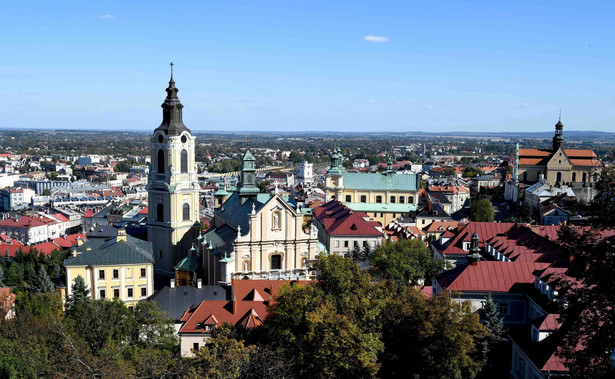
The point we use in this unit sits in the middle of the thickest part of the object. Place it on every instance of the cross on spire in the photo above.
(171, 64)
(560, 115)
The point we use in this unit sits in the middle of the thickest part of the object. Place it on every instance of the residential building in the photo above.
(340, 229)
(120, 267)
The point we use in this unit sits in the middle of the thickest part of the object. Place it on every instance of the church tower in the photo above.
(173, 190)
(558, 138)
(248, 178)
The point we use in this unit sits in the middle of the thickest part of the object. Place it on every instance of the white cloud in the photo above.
(371, 38)
(106, 17)
(429, 106)
(526, 104)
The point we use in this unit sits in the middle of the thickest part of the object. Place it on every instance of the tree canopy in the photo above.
(482, 211)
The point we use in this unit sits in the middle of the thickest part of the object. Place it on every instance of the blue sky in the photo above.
(310, 65)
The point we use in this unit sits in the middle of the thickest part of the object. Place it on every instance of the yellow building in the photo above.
(383, 197)
(120, 267)
(558, 166)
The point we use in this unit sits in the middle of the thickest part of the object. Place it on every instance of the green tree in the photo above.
(406, 262)
(15, 274)
(482, 211)
(2, 277)
(222, 356)
(79, 293)
(43, 283)
(155, 327)
(263, 185)
(430, 338)
(494, 354)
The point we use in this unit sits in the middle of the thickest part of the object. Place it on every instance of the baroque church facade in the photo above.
(257, 235)
(173, 189)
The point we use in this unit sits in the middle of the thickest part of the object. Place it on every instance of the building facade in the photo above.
(384, 197)
(173, 190)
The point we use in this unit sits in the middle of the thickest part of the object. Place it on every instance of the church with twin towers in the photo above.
(253, 235)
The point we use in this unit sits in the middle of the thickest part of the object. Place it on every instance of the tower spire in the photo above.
(172, 119)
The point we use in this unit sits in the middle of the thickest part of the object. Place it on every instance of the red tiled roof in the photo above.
(22, 222)
(60, 217)
(88, 213)
(339, 220)
(534, 153)
(489, 276)
(223, 311)
(550, 322)
(440, 226)
(580, 153)
(144, 211)
(584, 162)
(532, 161)
(485, 231)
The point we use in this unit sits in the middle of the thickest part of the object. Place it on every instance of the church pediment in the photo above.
(559, 160)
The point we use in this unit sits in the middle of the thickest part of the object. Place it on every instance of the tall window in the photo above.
(392, 199)
(184, 161)
(348, 198)
(276, 262)
(584, 177)
(410, 199)
(574, 176)
(161, 169)
(186, 211)
(559, 177)
(401, 199)
(159, 213)
(378, 199)
(363, 199)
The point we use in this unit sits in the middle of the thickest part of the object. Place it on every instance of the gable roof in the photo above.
(175, 301)
(489, 276)
(485, 231)
(339, 220)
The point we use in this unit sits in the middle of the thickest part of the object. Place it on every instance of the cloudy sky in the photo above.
(310, 65)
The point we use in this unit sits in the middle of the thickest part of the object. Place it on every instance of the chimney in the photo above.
(199, 283)
(172, 285)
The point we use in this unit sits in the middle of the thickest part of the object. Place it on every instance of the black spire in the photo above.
(558, 138)
(172, 123)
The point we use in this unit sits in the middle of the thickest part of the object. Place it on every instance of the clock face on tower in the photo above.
(184, 139)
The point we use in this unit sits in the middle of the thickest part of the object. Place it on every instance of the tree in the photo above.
(430, 338)
(2, 277)
(493, 345)
(406, 262)
(15, 274)
(42, 282)
(155, 327)
(222, 356)
(526, 211)
(79, 293)
(263, 185)
(482, 211)
(329, 328)
(587, 318)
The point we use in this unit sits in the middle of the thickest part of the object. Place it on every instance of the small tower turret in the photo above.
(248, 180)
(474, 256)
(558, 138)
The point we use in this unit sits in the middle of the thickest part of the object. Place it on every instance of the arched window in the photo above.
(348, 198)
(558, 177)
(276, 262)
(186, 212)
(574, 176)
(159, 213)
(392, 198)
(184, 161)
(584, 177)
(378, 199)
(363, 199)
(410, 199)
(161, 167)
(401, 200)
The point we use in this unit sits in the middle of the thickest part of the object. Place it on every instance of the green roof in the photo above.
(112, 252)
(248, 156)
(380, 182)
(382, 207)
(188, 264)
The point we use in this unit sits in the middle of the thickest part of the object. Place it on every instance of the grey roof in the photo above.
(102, 231)
(111, 251)
(175, 301)
(436, 212)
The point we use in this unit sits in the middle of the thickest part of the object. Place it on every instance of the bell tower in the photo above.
(173, 190)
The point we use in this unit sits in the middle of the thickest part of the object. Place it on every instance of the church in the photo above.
(257, 235)
(173, 188)
(557, 165)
